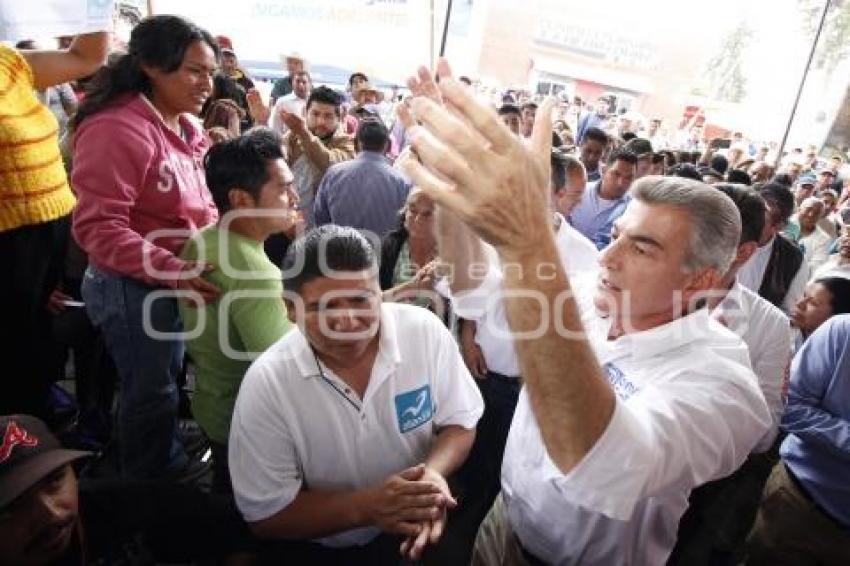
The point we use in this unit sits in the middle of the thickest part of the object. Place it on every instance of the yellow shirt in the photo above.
(33, 185)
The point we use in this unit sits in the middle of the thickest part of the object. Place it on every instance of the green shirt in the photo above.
(247, 325)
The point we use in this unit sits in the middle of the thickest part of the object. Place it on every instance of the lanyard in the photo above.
(331, 383)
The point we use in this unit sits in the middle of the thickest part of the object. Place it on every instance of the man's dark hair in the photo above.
(740, 177)
(562, 166)
(639, 146)
(752, 208)
(324, 95)
(357, 75)
(372, 135)
(686, 171)
(597, 135)
(628, 136)
(337, 248)
(622, 155)
(719, 163)
(839, 288)
(506, 109)
(224, 88)
(783, 179)
(531, 105)
(241, 163)
(558, 176)
(779, 196)
(709, 172)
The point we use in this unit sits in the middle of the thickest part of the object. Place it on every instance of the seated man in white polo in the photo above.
(348, 426)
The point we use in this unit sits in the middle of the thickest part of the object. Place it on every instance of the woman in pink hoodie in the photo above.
(138, 173)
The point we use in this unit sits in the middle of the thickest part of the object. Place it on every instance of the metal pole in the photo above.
(432, 38)
(446, 28)
(802, 84)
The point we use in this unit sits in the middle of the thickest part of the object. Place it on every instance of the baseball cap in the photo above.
(28, 453)
(807, 179)
(224, 42)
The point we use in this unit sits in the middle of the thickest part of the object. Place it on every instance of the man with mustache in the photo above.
(314, 142)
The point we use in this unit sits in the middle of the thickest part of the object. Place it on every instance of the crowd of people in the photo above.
(335, 327)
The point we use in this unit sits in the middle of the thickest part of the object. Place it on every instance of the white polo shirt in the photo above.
(767, 333)
(484, 305)
(688, 410)
(294, 429)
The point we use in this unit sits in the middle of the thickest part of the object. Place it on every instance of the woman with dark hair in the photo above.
(409, 256)
(824, 298)
(223, 109)
(139, 175)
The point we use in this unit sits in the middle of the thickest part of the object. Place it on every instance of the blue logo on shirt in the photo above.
(621, 384)
(98, 8)
(413, 408)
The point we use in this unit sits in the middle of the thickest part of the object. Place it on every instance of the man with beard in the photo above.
(315, 142)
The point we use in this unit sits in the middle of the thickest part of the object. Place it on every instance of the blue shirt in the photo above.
(817, 417)
(365, 193)
(594, 217)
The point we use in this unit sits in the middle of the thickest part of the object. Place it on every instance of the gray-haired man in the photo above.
(626, 406)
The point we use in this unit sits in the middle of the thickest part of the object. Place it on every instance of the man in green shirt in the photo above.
(253, 190)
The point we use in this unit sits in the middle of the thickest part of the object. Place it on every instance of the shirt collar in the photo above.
(732, 311)
(667, 337)
(598, 197)
(733, 298)
(372, 156)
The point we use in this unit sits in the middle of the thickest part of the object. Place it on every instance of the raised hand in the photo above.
(473, 165)
(258, 109)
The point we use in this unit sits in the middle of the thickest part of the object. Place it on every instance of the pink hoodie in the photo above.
(133, 177)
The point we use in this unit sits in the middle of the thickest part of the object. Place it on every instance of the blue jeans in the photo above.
(146, 424)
